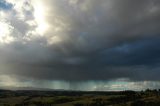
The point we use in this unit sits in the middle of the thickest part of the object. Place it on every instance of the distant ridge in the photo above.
(29, 88)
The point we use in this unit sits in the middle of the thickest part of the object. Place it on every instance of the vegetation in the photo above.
(79, 98)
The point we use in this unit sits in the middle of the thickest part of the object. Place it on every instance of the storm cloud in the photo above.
(80, 40)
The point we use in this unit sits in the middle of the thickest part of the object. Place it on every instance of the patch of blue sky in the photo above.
(4, 5)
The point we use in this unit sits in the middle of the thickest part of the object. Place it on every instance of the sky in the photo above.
(80, 44)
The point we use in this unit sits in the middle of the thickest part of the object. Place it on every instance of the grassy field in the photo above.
(79, 98)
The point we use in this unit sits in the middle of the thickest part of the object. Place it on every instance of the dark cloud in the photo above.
(99, 40)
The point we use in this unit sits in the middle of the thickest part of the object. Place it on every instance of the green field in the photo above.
(79, 98)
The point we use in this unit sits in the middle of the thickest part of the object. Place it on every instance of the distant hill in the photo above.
(28, 88)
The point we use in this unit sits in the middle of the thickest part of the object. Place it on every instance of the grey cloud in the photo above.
(100, 40)
(103, 27)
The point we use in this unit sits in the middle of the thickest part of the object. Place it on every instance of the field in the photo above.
(79, 98)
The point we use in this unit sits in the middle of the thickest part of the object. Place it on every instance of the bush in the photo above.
(78, 104)
(138, 103)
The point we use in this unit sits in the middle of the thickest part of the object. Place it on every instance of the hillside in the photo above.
(79, 98)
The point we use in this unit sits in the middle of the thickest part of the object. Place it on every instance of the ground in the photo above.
(79, 98)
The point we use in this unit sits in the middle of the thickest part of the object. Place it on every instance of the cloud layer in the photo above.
(80, 40)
